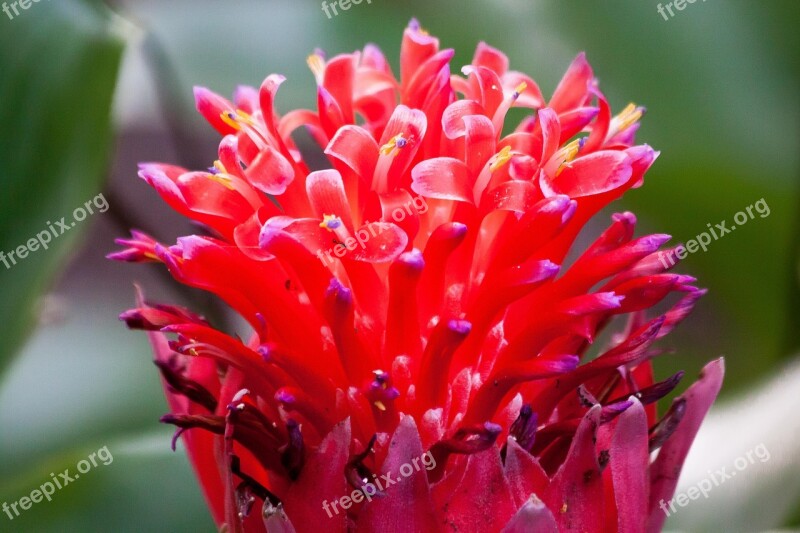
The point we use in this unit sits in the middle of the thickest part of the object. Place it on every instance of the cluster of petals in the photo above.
(412, 286)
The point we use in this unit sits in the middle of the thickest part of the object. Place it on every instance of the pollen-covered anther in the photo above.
(236, 119)
(316, 62)
(381, 391)
(223, 179)
(501, 159)
(330, 222)
(395, 144)
(518, 90)
(627, 118)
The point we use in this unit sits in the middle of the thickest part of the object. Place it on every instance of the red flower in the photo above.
(414, 316)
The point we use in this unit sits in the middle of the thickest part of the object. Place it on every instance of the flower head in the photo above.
(415, 301)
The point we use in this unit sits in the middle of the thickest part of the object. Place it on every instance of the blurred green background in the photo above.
(88, 89)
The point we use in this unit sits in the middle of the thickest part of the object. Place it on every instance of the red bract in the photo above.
(412, 302)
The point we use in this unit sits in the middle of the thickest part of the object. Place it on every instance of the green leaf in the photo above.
(59, 65)
(137, 484)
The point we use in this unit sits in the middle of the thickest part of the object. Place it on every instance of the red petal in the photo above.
(531, 97)
(551, 133)
(491, 58)
(382, 242)
(211, 106)
(326, 193)
(514, 195)
(338, 80)
(417, 47)
(574, 86)
(444, 178)
(453, 117)
(592, 174)
(356, 148)
(270, 172)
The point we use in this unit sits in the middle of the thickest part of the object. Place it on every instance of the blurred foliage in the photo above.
(59, 67)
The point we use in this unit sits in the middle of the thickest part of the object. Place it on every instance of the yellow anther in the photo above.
(501, 158)
(519, 89)
(380, 405)
(236, 119)
(221, 175)
(241, 116)
(629, 116)
(317, 65)
(570, 150)
(222, 179)
(395, 143)
(330, 222)
(229, 118)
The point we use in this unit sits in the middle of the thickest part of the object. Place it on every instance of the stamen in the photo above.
(357, 473)
(317, 65)
(628, 117)
(229, 118)
(330, 222)
(518, 90)
(523, 430)
(293, 457)
(223, 179)
(665, 427)
(466, 441)
(568, 153)
(501, 159)
(381, 392)
(395, 144)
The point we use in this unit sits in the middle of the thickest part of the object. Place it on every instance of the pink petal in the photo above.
(483, 498)
(407, 505)
(629, 463)
(525, 476)
(321, 482)
(532, 517)
(666, 469)
(576, 491)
